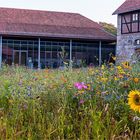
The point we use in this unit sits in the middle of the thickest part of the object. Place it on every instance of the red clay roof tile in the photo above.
(128, 6)
(50, 24)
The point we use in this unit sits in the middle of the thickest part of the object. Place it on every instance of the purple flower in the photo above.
(29, 88)
(81, 101)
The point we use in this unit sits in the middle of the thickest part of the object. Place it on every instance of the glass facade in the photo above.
(85, 54)
(53, 53)
(21, 52)
(107, 51)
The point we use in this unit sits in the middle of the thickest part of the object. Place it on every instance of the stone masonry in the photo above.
(126, 47)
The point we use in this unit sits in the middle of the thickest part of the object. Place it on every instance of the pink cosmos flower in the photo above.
(80, 86)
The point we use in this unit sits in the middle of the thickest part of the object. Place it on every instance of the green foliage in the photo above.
(109, 27)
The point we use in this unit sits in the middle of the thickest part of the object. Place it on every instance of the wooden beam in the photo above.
(129, 30)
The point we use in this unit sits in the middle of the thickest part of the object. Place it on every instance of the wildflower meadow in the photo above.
(94, 103)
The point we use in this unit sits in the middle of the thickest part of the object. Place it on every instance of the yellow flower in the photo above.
(69, 86)
(103, 67)
(121, 71)
(119, 67)
(111, 64)
(96, 71)
(90, 71)
(126, 65)
(115, 78)
(134, 100)
(104, 80)
(81, 92)
(111, 68)
(136, 80)
(114, 58)
(88, 87)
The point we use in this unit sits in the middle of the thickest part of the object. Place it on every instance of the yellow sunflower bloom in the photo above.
(134, 100)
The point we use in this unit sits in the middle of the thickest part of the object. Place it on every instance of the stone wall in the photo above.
(125, 44)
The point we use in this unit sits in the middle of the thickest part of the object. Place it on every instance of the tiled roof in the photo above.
(128, 6)
(50, 24)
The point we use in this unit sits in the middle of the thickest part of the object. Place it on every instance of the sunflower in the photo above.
(134, 100)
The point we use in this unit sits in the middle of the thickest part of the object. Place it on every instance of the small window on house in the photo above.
(137, 42)
(135, 17)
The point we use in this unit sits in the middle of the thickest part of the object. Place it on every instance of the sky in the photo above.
(96, 10)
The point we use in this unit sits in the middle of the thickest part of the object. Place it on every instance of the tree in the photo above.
(109, 27)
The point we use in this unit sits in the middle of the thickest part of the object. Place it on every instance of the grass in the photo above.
(47, 104)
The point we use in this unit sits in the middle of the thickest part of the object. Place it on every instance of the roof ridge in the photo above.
(39, 10)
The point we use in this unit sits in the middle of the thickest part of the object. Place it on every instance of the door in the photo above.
(16, 57)
(23, 58)
(20, 57)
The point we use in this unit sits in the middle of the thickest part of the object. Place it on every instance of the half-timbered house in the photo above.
(128, 31)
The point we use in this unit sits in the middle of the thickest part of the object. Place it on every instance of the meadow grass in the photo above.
(79, 104)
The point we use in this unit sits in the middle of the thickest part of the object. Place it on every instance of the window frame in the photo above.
(129, 24)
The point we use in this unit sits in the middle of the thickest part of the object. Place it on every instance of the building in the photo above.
(128, 32)
(44, 39)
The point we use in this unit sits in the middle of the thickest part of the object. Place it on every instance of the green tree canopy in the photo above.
(109, 27)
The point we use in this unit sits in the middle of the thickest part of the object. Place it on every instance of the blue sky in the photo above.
(97, 10)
